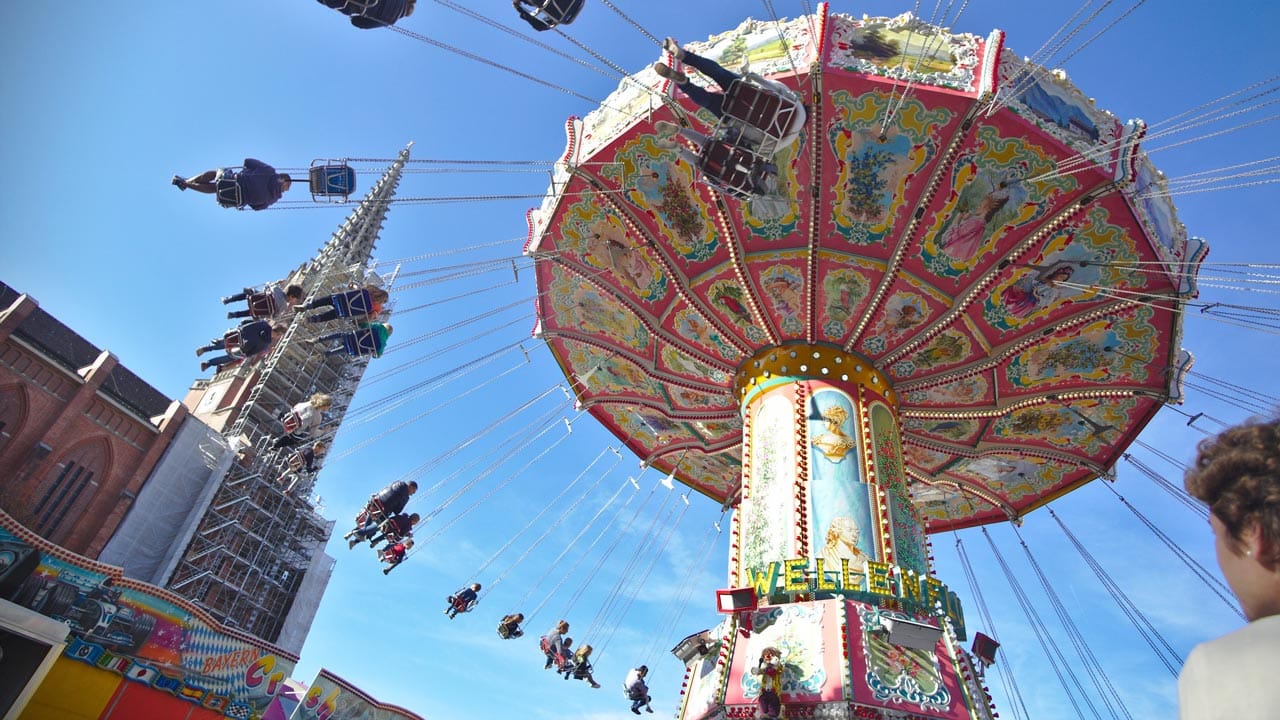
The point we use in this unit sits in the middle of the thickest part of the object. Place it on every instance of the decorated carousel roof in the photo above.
(970, 223)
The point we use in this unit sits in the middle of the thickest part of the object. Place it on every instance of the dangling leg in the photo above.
(712, 69)
(330, 314)
(204, 182)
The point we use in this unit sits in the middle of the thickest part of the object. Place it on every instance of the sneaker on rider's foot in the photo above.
(674, 76)
(178, 182)
(673, 47)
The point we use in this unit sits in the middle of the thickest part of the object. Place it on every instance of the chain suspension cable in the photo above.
(617, 587)
(394, 399)
(1174, 492)
(422, 469)
(1158, 644)
(1209, 579)
(431, 410)
(1012, 691)
(517, 34)
(573, 542)
(1101, 681)
(1022, 80)
(466, 342)
(582, 587)
(1061, 668)
(481, 59)
(522, 302)
(639, 584)
(447, 252)
(680, 602)
(494, 465)
(564, 515)
(512, 452)
(572, 572)
(633, 23)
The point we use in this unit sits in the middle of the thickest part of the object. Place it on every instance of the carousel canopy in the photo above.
(971, 224)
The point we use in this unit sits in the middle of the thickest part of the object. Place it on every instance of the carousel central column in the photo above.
(822, 488)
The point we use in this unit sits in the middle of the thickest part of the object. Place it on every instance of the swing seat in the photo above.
(355, 303)
(360, 343)
(227, 188)
(291, 422)
(461, 606)
(262, 306)
(296, 461)
(372, 509)
(773, 115)
(232, 342)
(509, 633)
(551, 13)
(729, 168)
(331, 181)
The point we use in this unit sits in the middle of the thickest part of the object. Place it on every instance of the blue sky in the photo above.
(104, 102)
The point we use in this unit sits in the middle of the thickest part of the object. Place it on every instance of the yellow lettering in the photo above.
(909, 586)
(852, 580)
(878, 578)
(823, 582)
(794, 580)
(763, 580)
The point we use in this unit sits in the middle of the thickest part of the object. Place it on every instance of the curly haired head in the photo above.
(1237, 474)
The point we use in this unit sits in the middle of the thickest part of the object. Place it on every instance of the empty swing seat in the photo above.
(331, 181)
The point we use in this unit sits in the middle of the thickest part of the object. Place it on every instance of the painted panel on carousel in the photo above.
(661, 187)
(579, 305)
(999, 190)
(1156, 212)
(897, 678)
(839, 498)
(682, 398)
(767, 531)
(908, 531)
(924, 458)
(704, 687)
(758, 46)
(726, 297)
(1012, 477)
(911, 305)
(599, 241)
(675, 362)
(691, 326)
(139, 631)
(713, 474)
(1084, 427)
(962, 431)
(1089, 261)
(809, 667)
(905, 48)
(1119, 350)
(332, 698)
(844, 288)
(776, 215)
(784, 291)
(613, 375)
(877, 169)
(972, 390)
(1048, 100)
(948, 349)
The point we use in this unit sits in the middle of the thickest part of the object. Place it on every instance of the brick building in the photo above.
(79, 432)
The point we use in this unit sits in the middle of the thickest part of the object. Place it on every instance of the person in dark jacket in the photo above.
(259, 185)
(370, 338)
(251, 338)
(393, 529)
(274, 301)
(388, 501)
(370, 14)
(463, 600)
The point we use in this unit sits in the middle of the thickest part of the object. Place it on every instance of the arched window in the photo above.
(67, 482)
(13, 413)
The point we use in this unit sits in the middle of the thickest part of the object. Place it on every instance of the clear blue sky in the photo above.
(103, 102)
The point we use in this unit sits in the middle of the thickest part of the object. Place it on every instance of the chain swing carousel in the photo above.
(956, 296)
